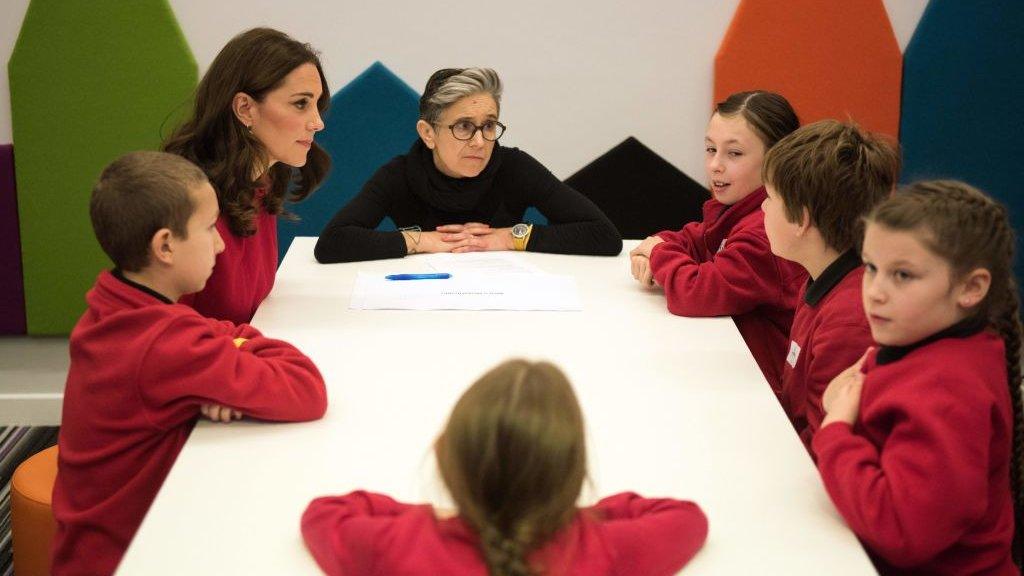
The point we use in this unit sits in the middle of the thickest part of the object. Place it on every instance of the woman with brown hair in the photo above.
(255, 115)
(513, 457)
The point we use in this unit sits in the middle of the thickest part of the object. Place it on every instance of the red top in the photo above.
(830, 333)
(244, 273)
(140, 369)
(923, 478)
(723, 266)
(365, 533)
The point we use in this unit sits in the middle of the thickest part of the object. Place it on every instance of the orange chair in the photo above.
(32, 523)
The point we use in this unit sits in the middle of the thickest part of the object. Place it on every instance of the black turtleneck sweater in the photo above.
(413, 192)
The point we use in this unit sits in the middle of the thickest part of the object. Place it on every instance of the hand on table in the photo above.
(640, 261)
(841, 400)
(645, 247)
(433, 242)
(477, 237)
(640, 265)
(218, 413)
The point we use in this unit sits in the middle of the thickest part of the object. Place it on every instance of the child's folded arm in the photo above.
(658, 535)
(687, 238)
(740, 277)
(917, 496)
(342, 531)
(193, 363)
(243, 330)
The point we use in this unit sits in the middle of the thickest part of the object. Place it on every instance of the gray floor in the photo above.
(32, 375)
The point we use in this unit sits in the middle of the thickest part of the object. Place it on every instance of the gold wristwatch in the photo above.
(521, 235)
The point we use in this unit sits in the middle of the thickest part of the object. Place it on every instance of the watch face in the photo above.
(519, 230)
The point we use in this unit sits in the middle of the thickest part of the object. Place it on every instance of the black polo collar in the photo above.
(116, 273)
(962, 329)
(831, 276)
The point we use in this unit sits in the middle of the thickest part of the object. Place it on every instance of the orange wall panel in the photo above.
(829, 59)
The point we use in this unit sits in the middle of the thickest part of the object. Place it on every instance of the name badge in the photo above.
(721, 246)
(794, 353)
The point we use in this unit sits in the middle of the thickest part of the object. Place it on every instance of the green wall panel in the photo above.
(89, 81)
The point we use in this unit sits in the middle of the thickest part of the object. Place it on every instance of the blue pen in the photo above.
(430, 276)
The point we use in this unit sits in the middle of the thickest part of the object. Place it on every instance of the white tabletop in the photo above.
(674, 407)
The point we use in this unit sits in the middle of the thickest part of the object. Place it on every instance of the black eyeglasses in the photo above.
(465, 130)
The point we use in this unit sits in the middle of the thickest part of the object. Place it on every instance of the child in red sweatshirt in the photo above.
(513, 458)
(723, 265)
(921, 442)
(821, 181)
(142, 366)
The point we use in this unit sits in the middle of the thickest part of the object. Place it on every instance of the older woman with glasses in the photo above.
(458, 190)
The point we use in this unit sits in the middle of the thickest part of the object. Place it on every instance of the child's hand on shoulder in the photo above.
(842, 397)
(218, 413)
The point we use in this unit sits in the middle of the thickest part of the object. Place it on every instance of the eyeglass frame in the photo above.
(476, 128)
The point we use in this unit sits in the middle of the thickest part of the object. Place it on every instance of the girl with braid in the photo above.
(513, 457)
(920, 448)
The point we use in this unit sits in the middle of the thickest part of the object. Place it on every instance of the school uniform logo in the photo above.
(794, 354)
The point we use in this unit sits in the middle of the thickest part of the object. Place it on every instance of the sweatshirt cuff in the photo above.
(829, 434)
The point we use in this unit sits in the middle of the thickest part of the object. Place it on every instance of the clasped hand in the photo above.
(468, 237)
(640, 261)
(218, 413)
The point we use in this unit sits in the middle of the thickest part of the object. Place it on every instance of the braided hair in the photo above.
(970, 230)
(513, 457)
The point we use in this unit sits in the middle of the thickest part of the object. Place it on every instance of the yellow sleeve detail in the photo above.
(240, 341)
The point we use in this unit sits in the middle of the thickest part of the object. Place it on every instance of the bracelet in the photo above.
(415, 241)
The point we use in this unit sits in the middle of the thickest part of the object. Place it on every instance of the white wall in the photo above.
(579, 76)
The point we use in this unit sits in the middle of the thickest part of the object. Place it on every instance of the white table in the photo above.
(674, 407)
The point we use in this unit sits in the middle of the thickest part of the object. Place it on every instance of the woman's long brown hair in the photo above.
(513, 457)
(254, 62)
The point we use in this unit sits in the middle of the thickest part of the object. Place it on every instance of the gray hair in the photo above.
(449, 85)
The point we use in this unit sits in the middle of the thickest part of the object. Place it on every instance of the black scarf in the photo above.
(444, 192)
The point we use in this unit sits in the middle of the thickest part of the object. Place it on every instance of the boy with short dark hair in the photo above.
(142, 367)
(821, 181)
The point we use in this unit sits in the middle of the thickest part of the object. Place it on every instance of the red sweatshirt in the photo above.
(830, 333)
(723, 266)
(365, 533)
(140, 369)
(923, 478)
(244, 273)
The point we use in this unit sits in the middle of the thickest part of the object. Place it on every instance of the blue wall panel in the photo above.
(371, 120)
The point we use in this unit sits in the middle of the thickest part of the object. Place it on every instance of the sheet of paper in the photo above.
(481, 262)
(467, 291)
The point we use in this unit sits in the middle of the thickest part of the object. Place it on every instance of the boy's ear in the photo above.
(161, 248)
(805, 222)
(244, 108)
(426, 132)
(974, 287)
